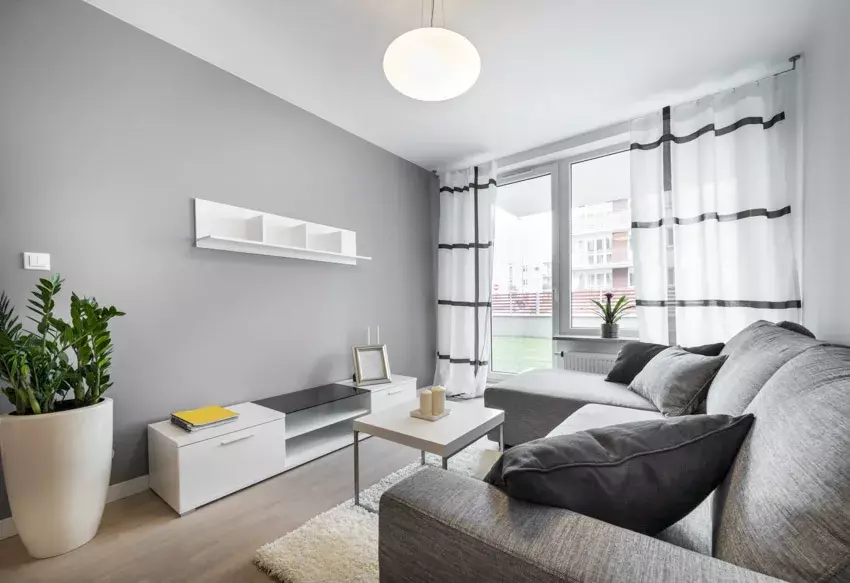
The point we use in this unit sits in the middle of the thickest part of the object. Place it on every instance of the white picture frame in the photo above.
(371, 365)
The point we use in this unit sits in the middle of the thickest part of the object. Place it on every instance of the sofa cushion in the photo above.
(753, 356)
(676, 380)
(536, 401)
(634, 356)
(438, 526)
(694, 531)
(644, 476)
(784, 508)
(593, 416)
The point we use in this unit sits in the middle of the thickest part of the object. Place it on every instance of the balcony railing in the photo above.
(522, 304)
(540, 304)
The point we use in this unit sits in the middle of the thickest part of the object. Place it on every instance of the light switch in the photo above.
(40, 261)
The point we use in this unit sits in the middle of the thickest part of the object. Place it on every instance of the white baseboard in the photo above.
(7, 528)
(115, 492)
(128, 488)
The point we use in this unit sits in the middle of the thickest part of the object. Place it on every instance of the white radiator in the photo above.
(595, 362)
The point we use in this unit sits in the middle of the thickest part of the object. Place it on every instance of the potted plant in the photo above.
(611, 314)
(57, 444)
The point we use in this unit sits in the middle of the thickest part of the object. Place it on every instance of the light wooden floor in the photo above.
(141, 539)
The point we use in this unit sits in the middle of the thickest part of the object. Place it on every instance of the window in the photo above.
(571, 218)
(521, 321)
(600, 230)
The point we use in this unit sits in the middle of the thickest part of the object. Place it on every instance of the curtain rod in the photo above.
(612, 129)
(793, 60)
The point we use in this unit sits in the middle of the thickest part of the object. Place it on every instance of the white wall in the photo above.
(826, 252)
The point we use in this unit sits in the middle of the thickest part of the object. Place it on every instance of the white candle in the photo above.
(425, 402)
(438, 400)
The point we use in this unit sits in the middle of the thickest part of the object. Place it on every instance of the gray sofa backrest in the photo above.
(753, 356)
(784, 508)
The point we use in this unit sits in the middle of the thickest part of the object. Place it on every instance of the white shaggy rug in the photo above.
(341, 545)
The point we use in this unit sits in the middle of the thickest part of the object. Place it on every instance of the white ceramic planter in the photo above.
(57, 468)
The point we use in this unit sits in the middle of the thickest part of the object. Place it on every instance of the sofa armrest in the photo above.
(437, 526)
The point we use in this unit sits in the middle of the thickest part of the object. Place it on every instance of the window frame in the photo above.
(550, 169)
(565, 257)
(560, 171)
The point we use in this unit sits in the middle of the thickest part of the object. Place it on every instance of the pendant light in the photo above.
(431, 63)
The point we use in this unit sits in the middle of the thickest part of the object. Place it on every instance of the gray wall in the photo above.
(106, 135)
(826, 75)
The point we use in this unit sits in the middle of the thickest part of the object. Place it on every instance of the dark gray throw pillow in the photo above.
(644, 476)
(676, 381)
(633, 356)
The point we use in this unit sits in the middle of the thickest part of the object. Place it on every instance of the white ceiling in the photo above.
(550, 68)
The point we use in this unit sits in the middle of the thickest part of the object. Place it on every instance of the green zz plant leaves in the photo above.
(36, 372)
(91, 342)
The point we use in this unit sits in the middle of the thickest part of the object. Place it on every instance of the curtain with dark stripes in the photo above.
(464, 279)
(713, 208)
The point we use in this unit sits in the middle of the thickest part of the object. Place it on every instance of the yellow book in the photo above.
(205, 415)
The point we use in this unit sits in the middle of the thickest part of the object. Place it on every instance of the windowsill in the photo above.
(580, 338)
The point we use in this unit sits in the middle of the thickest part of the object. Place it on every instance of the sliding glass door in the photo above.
(524, 274)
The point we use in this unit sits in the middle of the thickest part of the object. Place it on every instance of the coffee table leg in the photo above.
(502, 438)
(356, 467)
(445, 463)
(423, 457)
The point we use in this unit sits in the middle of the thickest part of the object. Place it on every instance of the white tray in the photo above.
(418, 415)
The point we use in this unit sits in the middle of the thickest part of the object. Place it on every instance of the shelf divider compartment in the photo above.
(231, 228)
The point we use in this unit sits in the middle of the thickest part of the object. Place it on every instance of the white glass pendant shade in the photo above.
(431, 64)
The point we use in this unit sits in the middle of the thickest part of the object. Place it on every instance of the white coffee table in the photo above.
(467, 423)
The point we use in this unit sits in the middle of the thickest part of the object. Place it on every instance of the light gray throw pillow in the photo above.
(676, 381)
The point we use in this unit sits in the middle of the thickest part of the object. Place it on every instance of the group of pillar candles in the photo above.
(432, 401)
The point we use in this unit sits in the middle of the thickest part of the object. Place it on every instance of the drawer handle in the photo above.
(235, 439)
(396, 392)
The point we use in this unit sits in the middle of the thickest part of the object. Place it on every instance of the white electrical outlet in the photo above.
(40, 261)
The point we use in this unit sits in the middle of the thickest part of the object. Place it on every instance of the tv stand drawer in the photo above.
(393, 395)
(188, 470)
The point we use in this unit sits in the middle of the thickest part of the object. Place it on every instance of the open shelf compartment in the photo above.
(309, 446)
(231, 228)
(316, 418)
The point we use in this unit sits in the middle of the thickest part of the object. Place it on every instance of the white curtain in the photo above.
(464, 279)
(713, 234)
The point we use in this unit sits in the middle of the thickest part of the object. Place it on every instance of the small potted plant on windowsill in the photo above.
(57, 444)
(611, 314)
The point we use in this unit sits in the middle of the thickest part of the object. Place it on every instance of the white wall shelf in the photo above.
(231, 228)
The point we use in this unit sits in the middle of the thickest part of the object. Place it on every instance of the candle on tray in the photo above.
(438, 400)
(425, 402)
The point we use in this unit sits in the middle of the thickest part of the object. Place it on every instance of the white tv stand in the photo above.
(271, 436)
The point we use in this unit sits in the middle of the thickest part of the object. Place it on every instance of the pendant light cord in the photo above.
(433, 8)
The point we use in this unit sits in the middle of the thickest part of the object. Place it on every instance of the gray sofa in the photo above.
(783, 510)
